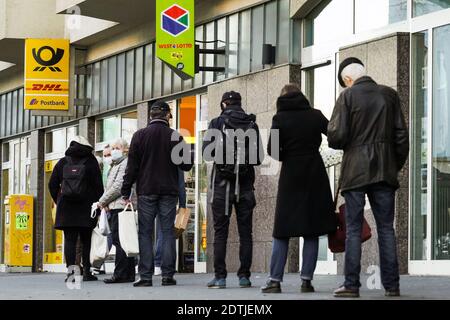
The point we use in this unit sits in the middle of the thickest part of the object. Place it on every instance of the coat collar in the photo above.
(364, 80)
(159, 121)
(118, 161)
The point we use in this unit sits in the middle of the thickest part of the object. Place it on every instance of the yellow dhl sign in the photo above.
(47, 72)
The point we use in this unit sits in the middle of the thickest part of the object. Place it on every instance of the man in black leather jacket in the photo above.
(368, 124)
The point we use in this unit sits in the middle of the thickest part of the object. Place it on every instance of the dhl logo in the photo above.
(47, 87)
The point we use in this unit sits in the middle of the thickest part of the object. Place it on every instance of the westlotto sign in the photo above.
(175, 35)
(47, 74)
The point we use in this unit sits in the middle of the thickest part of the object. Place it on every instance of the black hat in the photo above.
(161, 106)
(344, 64)
(232, 96)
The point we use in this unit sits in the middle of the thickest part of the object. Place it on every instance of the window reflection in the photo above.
(371, 14)
(419, 146)
(421, 7)
(441, 143)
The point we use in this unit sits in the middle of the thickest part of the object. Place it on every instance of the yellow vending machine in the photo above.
(19, 233)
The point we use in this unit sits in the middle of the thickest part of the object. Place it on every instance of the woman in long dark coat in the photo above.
(304, 202)
(74, 216)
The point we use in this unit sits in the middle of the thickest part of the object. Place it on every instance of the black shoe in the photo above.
(143, 283)
(98, 271)
(271, 287)
(117, 280)
(168, 281)
(392, 293)
(306, 287)
(344, 292)
(89, 277)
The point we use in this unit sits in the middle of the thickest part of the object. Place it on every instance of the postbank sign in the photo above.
(175, 35)
(47, 63)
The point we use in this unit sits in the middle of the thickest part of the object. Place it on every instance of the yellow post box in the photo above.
(19, 231)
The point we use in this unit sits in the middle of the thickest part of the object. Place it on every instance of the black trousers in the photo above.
(244, 214)
(124, 266)
(70, 246)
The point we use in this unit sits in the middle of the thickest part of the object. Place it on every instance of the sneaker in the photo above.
(98, 271)
(113, 280)
(244, 282)
(392, 293)
(143, 283)
(217, 284)
(306, 287)
(89, 277)
(344, 292)
(271, 287)
(168, 281)
(157, 271)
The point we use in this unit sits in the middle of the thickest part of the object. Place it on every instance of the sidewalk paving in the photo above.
(51, 286)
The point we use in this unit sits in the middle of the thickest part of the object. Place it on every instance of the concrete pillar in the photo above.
(86, 128)
(387, 61)
(37, 189)
(143, 115)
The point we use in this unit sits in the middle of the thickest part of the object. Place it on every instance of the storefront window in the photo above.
(338, 14)
(233, 37)
(108, 129)
(441, 143)
(421, 7)
(371, 14)
(129, 125)
(419, 209)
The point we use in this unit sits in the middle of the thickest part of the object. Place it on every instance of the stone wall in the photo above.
(259, 95)
(387, 62)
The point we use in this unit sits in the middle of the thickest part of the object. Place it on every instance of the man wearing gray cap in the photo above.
(368, 124)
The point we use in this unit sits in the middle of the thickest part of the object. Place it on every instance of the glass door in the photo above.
(319, 86)
(202, 186)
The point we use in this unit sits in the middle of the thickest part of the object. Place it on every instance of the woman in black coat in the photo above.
(74, 216)
(304, 202)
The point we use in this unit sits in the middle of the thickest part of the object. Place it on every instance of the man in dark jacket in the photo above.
(368, 124)
(228, 188)
(73, 216)
(155, 155)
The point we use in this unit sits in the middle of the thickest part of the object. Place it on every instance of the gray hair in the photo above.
(121, 142)
(354, 71)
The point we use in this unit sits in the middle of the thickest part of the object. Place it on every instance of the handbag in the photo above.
(181, 221)
(336, 240)
(128, 231)
(103, 223)
(99, 247)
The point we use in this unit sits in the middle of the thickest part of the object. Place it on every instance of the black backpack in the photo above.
(75, 183)
(231, 171)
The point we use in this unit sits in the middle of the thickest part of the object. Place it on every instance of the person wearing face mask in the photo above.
(107, 156)
(113, 202)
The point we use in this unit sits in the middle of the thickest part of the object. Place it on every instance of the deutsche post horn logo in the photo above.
(56, 57)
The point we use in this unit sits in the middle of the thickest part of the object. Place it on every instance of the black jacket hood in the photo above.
(78, 150)
(293, 101)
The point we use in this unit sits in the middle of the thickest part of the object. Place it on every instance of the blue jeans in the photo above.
(279, 257)
(382, 201)
(150, 207)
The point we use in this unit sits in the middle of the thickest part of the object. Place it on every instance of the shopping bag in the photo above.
(128, 231)
(330, 156)
(99, 247)
(103, 223)
(181, 221)
(336, 240)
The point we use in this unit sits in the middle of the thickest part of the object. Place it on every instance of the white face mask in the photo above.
(116, 154)
(107, 160)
